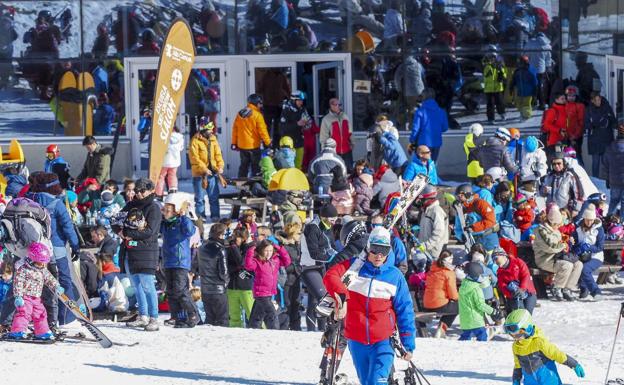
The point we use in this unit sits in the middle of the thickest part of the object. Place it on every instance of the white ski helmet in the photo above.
(497, 173)
(379, 236)
(476, 129)
(178, 201)
(503, 133)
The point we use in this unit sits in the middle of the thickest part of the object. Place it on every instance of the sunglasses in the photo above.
(425, 153)
(379, 250)
(141, 191)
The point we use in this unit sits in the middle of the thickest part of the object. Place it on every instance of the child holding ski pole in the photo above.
(534, 355)
(30, 277)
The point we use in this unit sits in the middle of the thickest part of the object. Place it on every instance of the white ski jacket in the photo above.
(533, 165)
(176, 145)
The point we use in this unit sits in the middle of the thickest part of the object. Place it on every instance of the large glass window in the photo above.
(398, 48)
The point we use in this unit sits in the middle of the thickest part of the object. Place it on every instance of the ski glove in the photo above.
(19, 302)
(497, 315)
(59, 290)
(340, 309)
(580, 372)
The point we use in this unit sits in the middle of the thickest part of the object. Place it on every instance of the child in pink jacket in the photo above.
(30, 277)
(265, 260)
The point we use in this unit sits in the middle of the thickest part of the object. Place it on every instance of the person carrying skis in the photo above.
(378, 300)
(30, 277)
(534, 355)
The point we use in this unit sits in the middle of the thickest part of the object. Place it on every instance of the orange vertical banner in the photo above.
(174, 68)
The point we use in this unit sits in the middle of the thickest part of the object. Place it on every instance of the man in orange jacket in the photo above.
(483, 227)
(248, 133)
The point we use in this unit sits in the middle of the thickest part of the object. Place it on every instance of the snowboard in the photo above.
(77, 98)
(68, 104)
(100, 337)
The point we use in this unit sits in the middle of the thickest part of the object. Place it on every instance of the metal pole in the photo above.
(617, 330)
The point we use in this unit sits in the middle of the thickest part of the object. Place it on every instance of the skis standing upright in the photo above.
(413, 375)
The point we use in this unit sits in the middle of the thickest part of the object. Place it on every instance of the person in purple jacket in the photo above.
(264, 261)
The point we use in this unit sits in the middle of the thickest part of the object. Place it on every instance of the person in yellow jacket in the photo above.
(534, 355)
(472, 140)
(248, 133)
(206, 163)
(494, 78)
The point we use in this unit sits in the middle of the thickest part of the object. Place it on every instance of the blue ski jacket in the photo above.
(62, 227)
(176, 248)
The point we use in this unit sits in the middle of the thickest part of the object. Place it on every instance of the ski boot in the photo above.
(16, 335)
(557, 294)
(441, 331)
(171, 322)
(152, 325)
(567, 295)
(47, 336)
(140, 322)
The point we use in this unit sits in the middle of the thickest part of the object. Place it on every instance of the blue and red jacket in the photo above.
(378, 300)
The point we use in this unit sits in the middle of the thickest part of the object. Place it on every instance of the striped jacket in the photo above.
(378, 301)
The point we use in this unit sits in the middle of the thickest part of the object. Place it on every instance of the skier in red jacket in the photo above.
(514, 281)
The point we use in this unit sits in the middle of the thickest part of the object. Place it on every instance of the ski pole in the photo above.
(617, 330)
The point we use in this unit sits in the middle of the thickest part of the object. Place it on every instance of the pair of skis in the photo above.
(100, 337)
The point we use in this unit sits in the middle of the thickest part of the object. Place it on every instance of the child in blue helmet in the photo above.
(534, 355)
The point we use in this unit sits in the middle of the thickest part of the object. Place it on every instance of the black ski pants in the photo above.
(263, 311)
(292, 304)
(494, 99)
(249, 158)
(178, 294)
(312, 278)
(216, 308)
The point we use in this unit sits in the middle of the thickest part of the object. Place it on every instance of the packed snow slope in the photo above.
(211, 355)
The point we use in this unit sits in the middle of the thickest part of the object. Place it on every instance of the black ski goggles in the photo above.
(379, 250)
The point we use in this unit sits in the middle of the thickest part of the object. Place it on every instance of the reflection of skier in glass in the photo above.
(379, 300)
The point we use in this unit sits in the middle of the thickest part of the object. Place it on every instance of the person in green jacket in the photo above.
(267, 168)
(494, 78)
(472, 306)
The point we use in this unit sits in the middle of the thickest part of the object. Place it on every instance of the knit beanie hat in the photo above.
(520, 199)
(474, 271)
(590, 212)
(291, 217)
(71, 196)
(478, 257)
(330, 143)
(367, 179)
(328, 211)
(107, 197)
(554, 215)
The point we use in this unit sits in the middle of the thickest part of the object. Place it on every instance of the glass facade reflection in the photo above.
(398, 48)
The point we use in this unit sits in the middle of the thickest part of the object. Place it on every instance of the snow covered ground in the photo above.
(212, 355)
